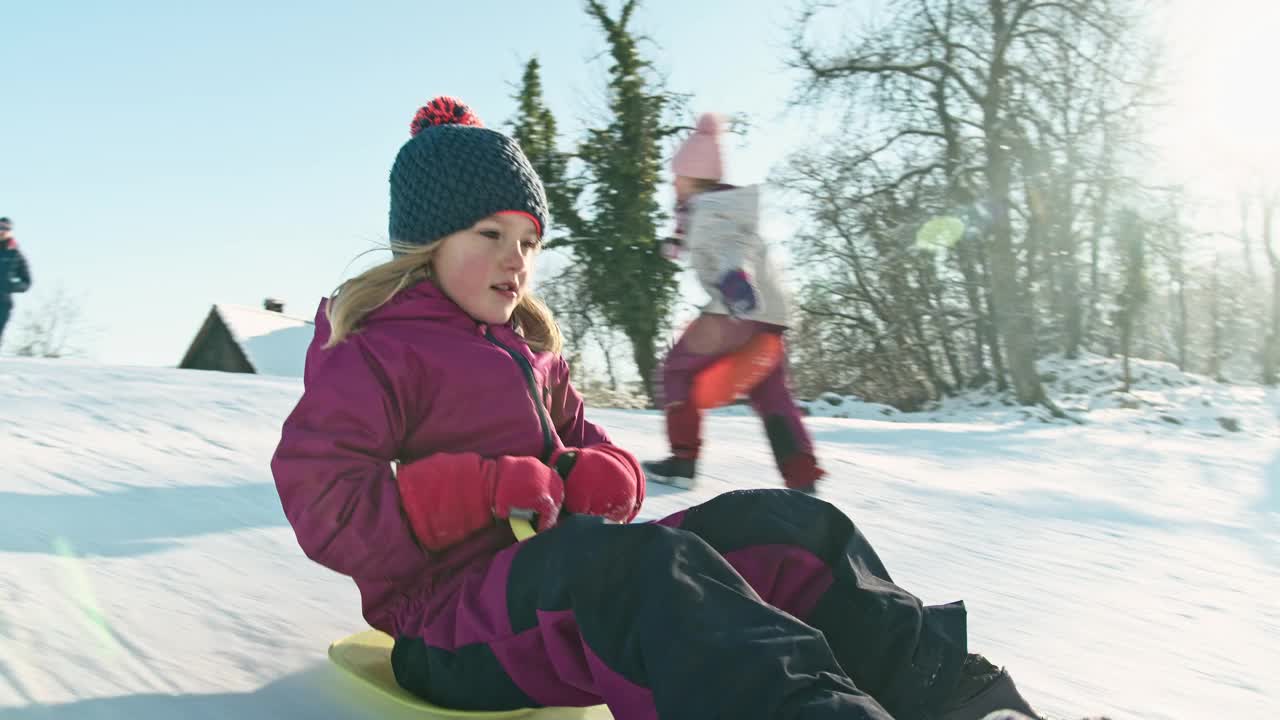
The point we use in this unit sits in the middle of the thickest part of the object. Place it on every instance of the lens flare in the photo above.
(939, 233)
(80, 592)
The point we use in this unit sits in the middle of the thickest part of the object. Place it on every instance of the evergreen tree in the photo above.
(624, 272)
(535, 129)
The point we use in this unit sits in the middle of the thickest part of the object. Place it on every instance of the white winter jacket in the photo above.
(724, 235)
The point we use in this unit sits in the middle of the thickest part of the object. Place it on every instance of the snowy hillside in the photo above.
(1089, 390)
(1127, 566)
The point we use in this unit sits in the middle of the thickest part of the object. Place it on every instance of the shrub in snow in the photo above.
(597, 394)
(832, 405)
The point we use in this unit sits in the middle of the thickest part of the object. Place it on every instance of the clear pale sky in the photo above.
(160, 157)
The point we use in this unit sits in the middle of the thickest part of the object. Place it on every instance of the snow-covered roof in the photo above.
(273, 343)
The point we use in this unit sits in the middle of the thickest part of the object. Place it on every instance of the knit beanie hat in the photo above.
(454, 172)
(699, 156)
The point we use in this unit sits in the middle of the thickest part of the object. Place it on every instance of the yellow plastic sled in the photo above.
(366, 656)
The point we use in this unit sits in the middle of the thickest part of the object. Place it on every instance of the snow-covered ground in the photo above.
(1129, 565)
(1088, 388)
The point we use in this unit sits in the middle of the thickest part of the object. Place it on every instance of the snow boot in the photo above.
(792, 454)
(981, 690)
(801, 472)
(674, 470)
(684, 432)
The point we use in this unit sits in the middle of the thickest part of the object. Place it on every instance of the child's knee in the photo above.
(589, 546)
(744, 518)
(768, 505)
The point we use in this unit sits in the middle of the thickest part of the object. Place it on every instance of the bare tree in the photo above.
(1268, 204)
(1169, 238)
(1246, 244)
(1215, 318)
(869, 274)
(51, 327)
(563, 294)
(1003, 104)
(581, 324)
(1134, 294)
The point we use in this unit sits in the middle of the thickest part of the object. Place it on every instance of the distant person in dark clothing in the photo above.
(15, 277)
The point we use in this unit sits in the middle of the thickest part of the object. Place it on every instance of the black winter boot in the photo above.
(672, 471)
(981, 690)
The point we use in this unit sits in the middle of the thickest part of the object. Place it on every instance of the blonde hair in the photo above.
(354, 299)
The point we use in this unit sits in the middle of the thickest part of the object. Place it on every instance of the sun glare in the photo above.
(1223, 133)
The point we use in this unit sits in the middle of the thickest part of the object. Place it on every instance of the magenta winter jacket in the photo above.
(419, 377)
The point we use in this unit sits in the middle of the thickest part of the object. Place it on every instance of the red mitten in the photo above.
(522, 485)
(448, 496)
(602, 480)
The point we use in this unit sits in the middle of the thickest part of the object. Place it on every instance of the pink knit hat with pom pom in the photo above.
(699, 156)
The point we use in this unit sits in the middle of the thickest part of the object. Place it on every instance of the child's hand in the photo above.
(449, 496)
(601, 480)
(525, 485)
(682, 220)
(739, 296)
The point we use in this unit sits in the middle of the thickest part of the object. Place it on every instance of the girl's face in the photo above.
(487, 268)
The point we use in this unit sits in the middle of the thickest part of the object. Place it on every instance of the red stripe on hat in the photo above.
(537, 226)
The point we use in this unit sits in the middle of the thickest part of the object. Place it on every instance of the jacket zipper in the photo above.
(532, 386)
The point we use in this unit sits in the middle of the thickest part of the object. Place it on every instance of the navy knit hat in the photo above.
(454, 172)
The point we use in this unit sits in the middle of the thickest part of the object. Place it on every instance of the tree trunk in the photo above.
(1271, 365)
(1035, 246)
(1181, 332)
(642, 352)
(921, 306)
(944, 333)
(925, 356)
(1215, 322)
(1065, 262)
(1246, 245)
(602, 336)
(990, 326)
(1126, 339)
(1101, 211)
(963, 252)
(1014, 314)
(1131, 233)
(973, 293)
(1075, 306)
(1271, 355)
(1095, 272)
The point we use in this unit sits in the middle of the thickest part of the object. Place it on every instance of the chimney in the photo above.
(273, 305)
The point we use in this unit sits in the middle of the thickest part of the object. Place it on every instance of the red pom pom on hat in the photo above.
(443, 110)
